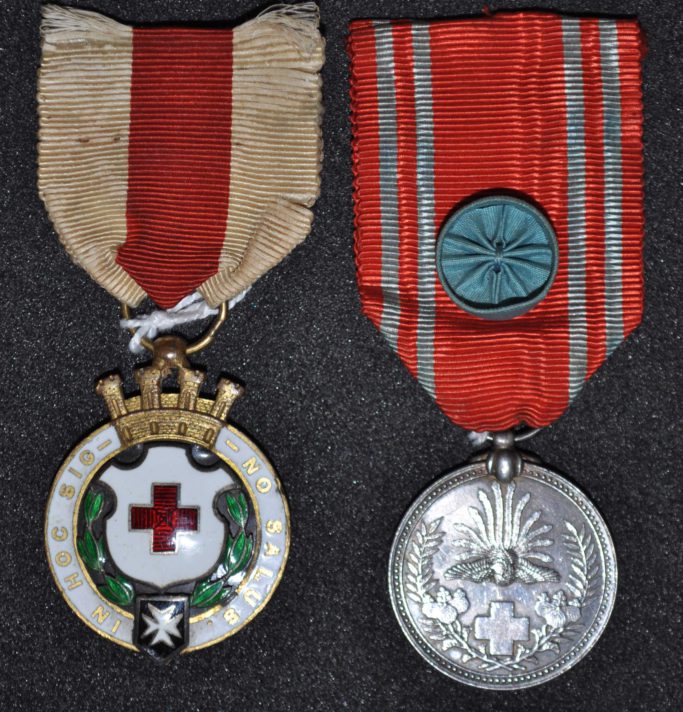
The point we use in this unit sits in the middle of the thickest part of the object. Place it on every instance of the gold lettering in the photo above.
(261, 572)
(74, 581)
(116, 625)
(75, 472)
(231, 445)
(60, 533)
(87, 458)
(63, 558)
(104, 445)
(253, 598)
(100, 614)
(271, 549)
(263, 485)
(251, 466)
(231, 616)
(273, 526)
(67, 491)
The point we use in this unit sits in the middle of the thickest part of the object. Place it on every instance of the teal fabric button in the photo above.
(497, 257)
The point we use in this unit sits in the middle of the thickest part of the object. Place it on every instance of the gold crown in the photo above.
(155, 414)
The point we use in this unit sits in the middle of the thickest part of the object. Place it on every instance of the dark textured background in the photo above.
(352, 434)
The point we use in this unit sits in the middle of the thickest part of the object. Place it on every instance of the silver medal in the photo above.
(503, 582)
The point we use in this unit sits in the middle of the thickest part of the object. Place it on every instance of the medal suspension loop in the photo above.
(201, 343)
(503, 460)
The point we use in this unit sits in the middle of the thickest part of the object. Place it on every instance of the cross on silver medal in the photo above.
(503, 574)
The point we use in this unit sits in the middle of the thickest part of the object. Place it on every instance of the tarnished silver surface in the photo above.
(502, 586)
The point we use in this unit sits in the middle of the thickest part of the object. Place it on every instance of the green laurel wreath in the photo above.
(207, 592)
(236, 555)
(116, 588)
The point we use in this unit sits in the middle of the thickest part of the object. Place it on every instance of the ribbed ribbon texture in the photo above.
(178, 159)
(175, 159)
(537, 105)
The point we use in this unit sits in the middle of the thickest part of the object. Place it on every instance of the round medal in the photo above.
(502, 278)
(166, 529)
(502, 585)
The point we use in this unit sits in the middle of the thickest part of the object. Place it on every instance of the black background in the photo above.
(353, 436)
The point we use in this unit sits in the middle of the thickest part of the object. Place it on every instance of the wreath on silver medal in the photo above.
(442, 609)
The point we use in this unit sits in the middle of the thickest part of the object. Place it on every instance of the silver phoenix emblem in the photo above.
(502, 586)
(501, 545)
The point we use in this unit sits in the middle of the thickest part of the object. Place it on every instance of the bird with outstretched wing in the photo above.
(502, 546)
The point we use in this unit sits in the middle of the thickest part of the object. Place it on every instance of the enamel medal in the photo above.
(166, 528)
(499, 222)
(177, 164)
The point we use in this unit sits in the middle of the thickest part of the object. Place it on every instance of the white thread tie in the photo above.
(191, 308)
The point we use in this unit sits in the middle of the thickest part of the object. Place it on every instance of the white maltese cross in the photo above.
(162, 625)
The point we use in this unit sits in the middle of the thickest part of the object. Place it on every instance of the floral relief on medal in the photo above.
(501, 544)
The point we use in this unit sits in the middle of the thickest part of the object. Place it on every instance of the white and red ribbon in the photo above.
(175, 159)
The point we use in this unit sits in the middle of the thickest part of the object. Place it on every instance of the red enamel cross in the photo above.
(164, 518)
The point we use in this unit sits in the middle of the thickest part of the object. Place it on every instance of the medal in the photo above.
(498, 193)
(173, 160)
(488, 590)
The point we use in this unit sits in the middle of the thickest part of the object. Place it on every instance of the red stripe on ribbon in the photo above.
(631, 50)
(500, 125)
(179, 159)
(368, 220)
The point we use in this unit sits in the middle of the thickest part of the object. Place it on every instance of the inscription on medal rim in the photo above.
(117, 624)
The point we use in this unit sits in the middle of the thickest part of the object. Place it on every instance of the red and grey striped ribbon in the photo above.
(537, 103)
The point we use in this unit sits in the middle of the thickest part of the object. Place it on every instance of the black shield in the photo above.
(162, 625)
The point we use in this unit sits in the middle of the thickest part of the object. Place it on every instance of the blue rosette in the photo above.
(497, 257)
